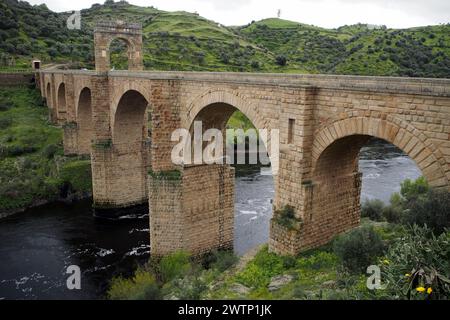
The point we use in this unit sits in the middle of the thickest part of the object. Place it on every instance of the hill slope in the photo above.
(186, 41)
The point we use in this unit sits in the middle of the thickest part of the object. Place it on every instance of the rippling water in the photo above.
(37, 246)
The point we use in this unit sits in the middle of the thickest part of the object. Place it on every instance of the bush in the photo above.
(412, 190)
(141, 287)
(174, 266)
(5, 123)
(281, 60)
(77, 174)
(420, 260)
(373, 209)
(286, 217)
(50, 150)
(358, 249)
(392, 214)
(223, 260)
(432, 210)
(261, 269)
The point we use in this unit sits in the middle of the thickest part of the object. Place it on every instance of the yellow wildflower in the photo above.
(430, 290)
(420, 289)
(386, 261)
(407, 275)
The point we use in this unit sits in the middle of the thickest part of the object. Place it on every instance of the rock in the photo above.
(280, 281)
(239, 289)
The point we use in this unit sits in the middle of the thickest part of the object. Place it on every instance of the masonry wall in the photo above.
(193, 213)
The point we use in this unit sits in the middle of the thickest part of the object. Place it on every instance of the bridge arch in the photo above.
(106, 32)
(84, 121)
(206, 108)
(130, 120)
(61, 97)
(344, 138)
(48, 94)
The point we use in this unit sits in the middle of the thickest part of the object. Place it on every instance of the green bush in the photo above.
(419, 260)
(432, 210)
(78, 175)
(392, 214)
(286, 217)
(358, 249)
(412, 190)
(5, 123)
(141, 287)
(223, 260)
(50, 150)
(175, 265)
(261, 269)
(373, 209)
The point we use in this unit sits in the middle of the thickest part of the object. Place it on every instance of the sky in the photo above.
(323, 13)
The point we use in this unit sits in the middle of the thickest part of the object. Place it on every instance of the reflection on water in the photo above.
(37, 246)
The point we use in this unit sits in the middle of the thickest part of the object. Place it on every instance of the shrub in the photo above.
(223, 260)
(358, 249)
(5, 123)
(77, 174)
(141, 287)
(281, 60)
(432, 210)
(412, 190)
(50, 150)
(373, 209)
(420, 260)
(174, 266)
(392, 214)
(286, 217)
(261, 269)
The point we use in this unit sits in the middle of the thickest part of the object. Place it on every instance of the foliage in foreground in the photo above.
(418, 266)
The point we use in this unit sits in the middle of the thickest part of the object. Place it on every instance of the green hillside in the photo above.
(185, 41)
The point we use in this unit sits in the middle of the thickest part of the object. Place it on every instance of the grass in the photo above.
(188, 42)
(32, 165)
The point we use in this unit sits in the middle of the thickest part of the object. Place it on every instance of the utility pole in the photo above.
(279, 13)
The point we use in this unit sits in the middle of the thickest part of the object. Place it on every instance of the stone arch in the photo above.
(106, 32)
(130, 121)
(229, 98)
(84, 121)
(228, 102)
(48, 94)
(61, 97)
(395, 131)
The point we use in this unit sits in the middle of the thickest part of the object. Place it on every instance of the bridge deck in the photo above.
(424, 86)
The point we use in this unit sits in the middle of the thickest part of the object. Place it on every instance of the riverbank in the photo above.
(33, 168)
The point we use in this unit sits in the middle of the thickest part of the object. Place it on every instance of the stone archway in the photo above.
(84, 121)
(130, 33)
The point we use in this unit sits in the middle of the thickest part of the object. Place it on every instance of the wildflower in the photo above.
(420, 289)
(386, 261)
(407, 275)
(430, 290)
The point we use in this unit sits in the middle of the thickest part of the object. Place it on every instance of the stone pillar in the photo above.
(70, 139)
(181, 219)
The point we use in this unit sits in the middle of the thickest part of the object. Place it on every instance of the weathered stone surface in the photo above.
(278, 282)
(323, 122)
(239, 289)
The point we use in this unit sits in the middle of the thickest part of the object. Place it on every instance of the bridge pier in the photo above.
(192, 209)
(119, 179)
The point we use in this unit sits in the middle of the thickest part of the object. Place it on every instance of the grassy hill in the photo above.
(186, 41)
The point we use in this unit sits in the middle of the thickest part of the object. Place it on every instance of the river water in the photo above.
(37, 246)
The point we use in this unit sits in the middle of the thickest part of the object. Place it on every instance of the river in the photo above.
(37, 246)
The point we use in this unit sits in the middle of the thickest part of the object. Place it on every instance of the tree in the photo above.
(281, 60)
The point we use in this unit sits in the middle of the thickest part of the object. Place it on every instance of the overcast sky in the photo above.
(324, 13)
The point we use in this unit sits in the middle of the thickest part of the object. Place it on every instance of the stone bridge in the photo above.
(124, 120)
